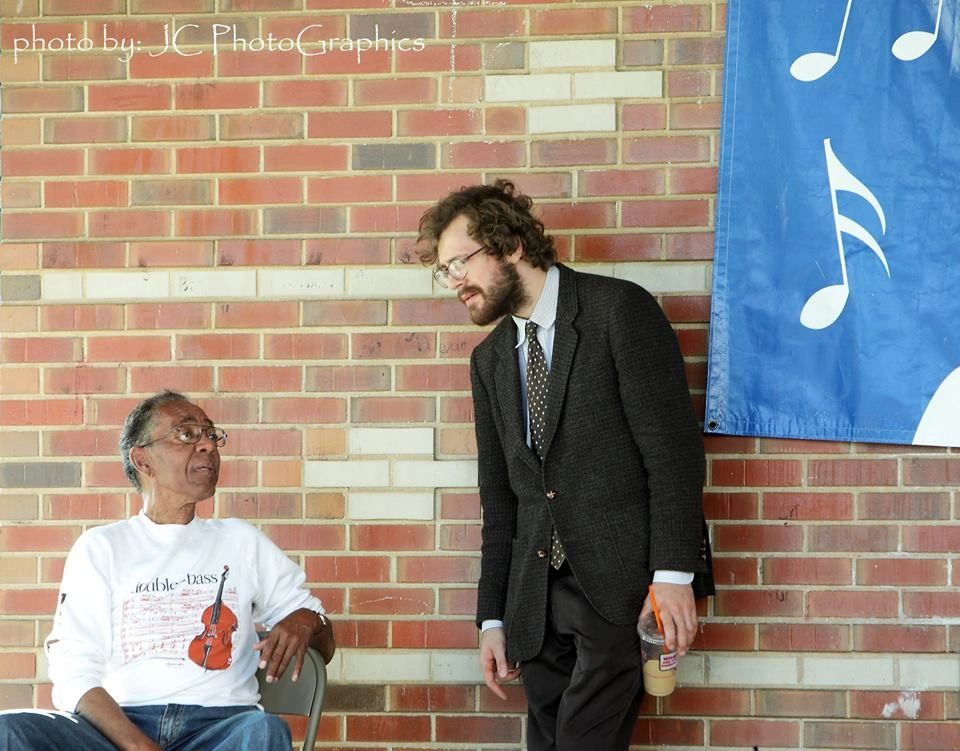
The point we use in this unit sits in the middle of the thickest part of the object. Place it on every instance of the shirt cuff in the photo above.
(672, 577)
(492, 623)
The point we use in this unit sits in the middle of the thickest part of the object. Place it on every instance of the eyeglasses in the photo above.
(190, 432)
(456, 269)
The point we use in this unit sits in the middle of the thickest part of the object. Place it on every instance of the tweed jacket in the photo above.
(623, 467)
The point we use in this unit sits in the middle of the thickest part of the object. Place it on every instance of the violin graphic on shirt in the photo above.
(212, 648)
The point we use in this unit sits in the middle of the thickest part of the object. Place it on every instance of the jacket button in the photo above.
(541, 554)
(551, 494)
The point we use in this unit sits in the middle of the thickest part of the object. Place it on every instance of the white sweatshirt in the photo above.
(132, 600)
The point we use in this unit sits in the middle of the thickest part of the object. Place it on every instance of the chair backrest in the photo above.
(305, 697)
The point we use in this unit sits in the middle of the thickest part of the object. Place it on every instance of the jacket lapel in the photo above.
(564, 345)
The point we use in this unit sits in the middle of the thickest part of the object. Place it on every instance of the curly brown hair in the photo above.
(498, 216)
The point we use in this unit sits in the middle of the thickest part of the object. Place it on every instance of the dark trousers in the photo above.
(585, 687)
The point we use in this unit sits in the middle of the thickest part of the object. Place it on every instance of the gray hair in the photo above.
(137, 427)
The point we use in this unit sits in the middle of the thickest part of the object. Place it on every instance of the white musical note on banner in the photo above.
(814, 65)
(826, 304)
(914, 44)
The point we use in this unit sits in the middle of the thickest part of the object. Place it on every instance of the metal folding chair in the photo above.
(305, 697)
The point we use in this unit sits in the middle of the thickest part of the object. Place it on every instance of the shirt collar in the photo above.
(545, 311)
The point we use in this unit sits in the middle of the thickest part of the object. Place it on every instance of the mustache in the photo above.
(464, 291)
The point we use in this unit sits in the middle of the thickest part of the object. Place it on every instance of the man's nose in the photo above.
(206, 443)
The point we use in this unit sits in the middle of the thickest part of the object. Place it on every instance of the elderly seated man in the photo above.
(154, 644)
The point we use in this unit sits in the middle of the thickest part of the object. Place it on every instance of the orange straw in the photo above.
(656, 610)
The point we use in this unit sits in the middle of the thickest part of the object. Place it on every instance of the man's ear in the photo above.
(140, 459)
(517, 254)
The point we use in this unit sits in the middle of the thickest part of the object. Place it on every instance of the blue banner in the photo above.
(836, 289)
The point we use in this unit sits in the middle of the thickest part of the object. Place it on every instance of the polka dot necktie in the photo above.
(537, 383)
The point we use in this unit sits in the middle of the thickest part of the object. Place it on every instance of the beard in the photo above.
(505, 295)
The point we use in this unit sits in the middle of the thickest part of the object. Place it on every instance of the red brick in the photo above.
(725, 637)
(393, 346)
(128, 97)
(28, 538)
(901, 572)
(169, 66)
(128, 348)
(666, 213)
(688, 83)
(280, 26)
(392, 218)
(249, 379)
(214, 222)
(166, 316)
(347, 62)
(929, 736)
(35, 602)
(392, 409)
(216, 96)
(459, 344)
(258, 252)
(441, 122)
(474, 729)
(852, 604)
(800, 703)
(757, 537)
(311, 158)
(84, 130)
(904, 505)
(691, 180)
(847, 538)
(353, 568)
(572, 22)
(931, 604)
(181, 127)
(434, 635)
(341, 312)
(433, 378)
(81, 317)
(366, 124)
(808, 506)
(187, 380)
(666, 149)
(745, 603)
(437, 569)
(759, 472)
(142, 161)
(86, 506)
(698, 115)
(695, 51)
(391, 601)
(730, 505)
(85, 193)
(24, 99)
(253, 314)
(239, 62)
(304, 346)
(218, 159)
(427, 312)
(305, 410)
(935, 539)
(664, 731)
(644, 117)
(90, 255)
(217, 346)
(670, 18)
(874, 637)
(735, 571)
(504, 121)
(259, 505)
(34, 162)
(393, 728)
(40, 349)
(935, 472)
(302, 536)
(588, 151)
(690, 246)
(360, 633)
(348, 378)
(306, 93)
(578, 215)
(253, 190)
(411, 698)
(391, 537)
(84, 380)
(456, 409)
(83, 68)
(779, 733)
(349, 188)
(128, 223)
(807, 571)
(638, 182)
(176, 253)
(699, 702)
(804, 638)
(497, 23)
(20, 195)
(265, 441)
(484, 154)
(850, 735)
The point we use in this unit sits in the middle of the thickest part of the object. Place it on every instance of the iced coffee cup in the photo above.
(659, 663)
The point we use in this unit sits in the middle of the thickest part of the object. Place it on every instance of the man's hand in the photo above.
(493, 661)
(678, 613)
(288, 641)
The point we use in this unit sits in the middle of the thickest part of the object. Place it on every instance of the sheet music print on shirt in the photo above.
(835, 276)
(163, 617)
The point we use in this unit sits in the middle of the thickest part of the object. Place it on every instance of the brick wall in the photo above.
(240, 226)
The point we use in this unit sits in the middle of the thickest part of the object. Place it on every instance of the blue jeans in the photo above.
(173, 727)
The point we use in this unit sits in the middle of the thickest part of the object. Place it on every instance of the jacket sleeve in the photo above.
(79, 644)
(498, 503)
(656, 399)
